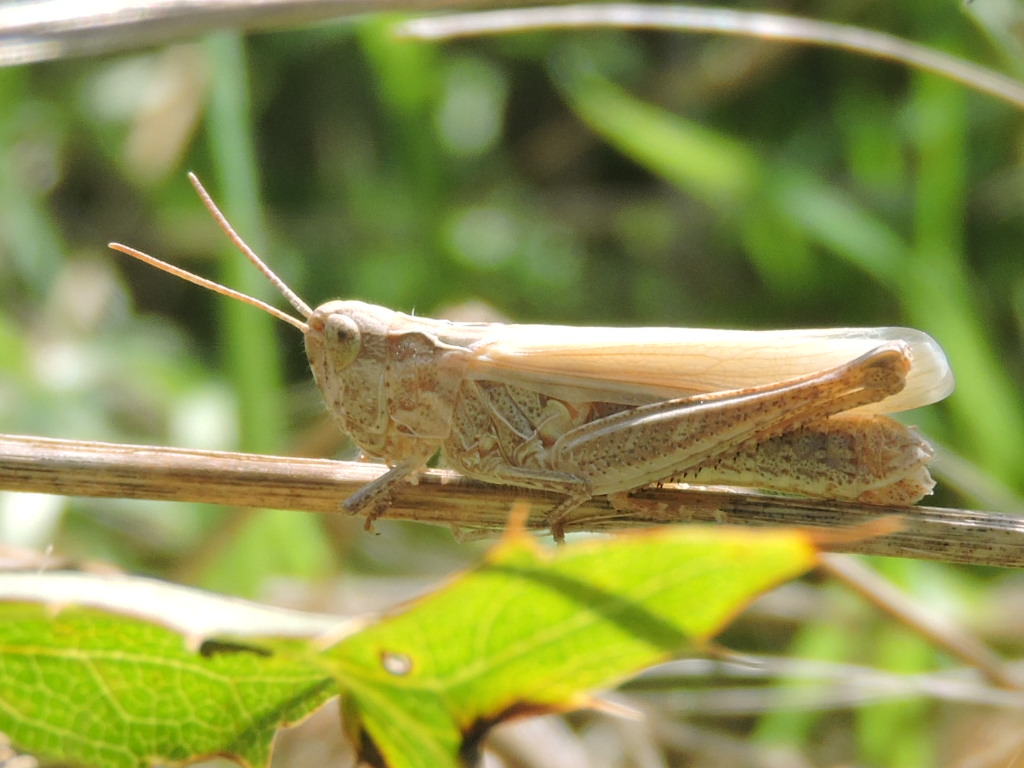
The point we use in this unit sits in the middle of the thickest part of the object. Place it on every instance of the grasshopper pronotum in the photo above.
(592, 411)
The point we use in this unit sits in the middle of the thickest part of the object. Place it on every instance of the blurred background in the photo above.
(577, 177)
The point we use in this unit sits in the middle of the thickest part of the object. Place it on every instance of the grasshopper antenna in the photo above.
(203, 282)
(299, 305)
(293, 299)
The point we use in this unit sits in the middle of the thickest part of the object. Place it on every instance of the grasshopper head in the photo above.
(347, 347)
(387, 378)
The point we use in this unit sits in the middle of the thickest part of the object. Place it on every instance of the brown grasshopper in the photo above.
(592, 411)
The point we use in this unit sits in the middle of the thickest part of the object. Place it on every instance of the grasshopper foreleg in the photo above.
(374, 498)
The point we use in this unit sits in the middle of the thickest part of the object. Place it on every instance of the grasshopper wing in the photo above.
(638, 365)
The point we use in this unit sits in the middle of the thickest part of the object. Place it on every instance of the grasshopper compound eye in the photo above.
(342, 335)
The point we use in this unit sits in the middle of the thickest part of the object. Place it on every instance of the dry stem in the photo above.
(78, 468)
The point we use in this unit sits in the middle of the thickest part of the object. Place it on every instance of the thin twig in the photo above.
(77, 468)
(39, 30)
(935, 626)
(722, 21)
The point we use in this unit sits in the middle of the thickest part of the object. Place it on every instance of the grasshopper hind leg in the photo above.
(869, 458)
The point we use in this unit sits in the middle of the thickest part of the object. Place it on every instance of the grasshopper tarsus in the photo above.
(558, 516)
(376, 497)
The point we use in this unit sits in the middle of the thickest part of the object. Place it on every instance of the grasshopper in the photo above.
(604, 411)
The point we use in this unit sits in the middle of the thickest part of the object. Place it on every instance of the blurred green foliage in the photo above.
(580, 177)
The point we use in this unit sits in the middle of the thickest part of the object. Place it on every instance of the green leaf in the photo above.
(532, 630)
(112, 671)
(124, 673)
(706, 163)
(100, 689)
